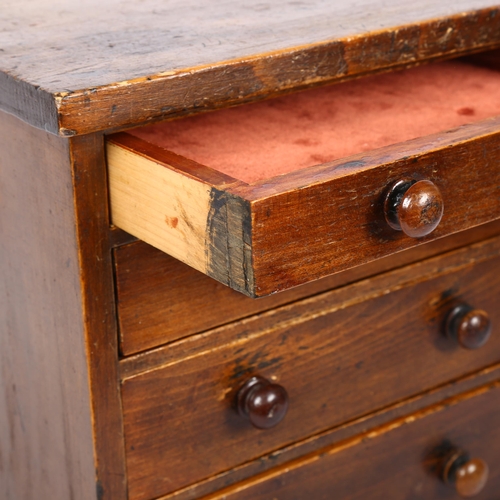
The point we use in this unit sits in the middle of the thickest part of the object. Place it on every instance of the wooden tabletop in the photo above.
(79, 67)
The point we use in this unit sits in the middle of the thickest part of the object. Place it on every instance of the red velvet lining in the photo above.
(264, 139)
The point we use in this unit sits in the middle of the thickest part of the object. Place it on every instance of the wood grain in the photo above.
(341, 433)
(46, 430)
(157, 203)
(68, 69)
(398, 460)
(98, 303)
(381, 338)
(283, 232)
(161, 300)
(325, 219)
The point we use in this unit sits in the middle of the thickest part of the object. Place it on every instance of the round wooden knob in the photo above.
(470, 327)
(414, 207)
(468, 476)
(262, 402)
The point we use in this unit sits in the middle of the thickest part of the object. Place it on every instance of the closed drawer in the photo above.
(404, 459)
(161, 300)
(339, 355)
(262, 198)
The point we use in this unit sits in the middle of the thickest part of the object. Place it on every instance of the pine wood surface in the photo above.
(382, 338)
(161, 300)
(46, 442)
(69, 69)
(399, 460)
(283, 232)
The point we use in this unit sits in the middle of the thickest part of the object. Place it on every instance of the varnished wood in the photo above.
(46, 435)
(273, 235)
(69, 70)
(161, 300)
(345, 203)
(470, 327)
(61, 408)
(338, 434)
(75, 72)
(414, 207)
(324, 339)
(394, 461)
(98, 303)
(263, 403)
(468, 476)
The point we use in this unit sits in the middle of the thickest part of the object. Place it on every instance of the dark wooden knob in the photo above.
(468, 476)
(262, 402)
(470, 327)
(414, 207)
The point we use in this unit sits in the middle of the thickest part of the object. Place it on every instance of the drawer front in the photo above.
(283, 231)
(161, 299)
(339, 355)
(402, 460)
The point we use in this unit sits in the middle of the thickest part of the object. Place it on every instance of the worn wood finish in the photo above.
(71, 71)
(344, 336)
(98, 302)
(398, 460)
(276, 234)
(335, 435)
(46, 431)
(337, 223)
(161, 299)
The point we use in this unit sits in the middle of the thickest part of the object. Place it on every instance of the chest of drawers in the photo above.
(124, 373)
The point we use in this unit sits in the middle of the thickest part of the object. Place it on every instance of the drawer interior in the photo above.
(277, 136)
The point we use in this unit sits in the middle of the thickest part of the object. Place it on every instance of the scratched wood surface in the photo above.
(339, 355)
(73, 68)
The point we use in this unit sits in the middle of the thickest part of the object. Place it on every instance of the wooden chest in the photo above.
(249, 250)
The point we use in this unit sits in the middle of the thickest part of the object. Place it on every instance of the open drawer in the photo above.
(271, 195)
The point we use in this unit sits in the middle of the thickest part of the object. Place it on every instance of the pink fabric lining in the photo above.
(260, 140)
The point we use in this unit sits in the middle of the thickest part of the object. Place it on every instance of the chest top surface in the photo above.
(74, 68)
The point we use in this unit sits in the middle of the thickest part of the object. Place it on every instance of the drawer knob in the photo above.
(470, 327)
(262, 402)
(414, 207)
(468, 476)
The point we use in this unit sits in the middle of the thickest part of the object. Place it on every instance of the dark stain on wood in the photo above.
(229, 257)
